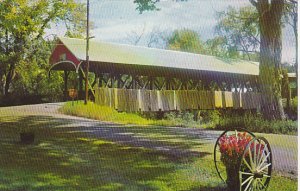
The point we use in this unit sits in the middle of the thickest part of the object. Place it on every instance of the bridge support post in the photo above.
(66, 75)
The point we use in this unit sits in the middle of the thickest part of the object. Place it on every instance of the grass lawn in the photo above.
(64, 158)
(94, 111)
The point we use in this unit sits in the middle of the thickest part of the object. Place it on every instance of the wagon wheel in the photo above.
(220, 167)
(256, 165)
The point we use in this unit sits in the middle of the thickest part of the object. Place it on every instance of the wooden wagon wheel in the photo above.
(220, 167)
(256, 165)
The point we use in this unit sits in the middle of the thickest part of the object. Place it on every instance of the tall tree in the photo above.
(23, 22)
(31, 83)
(270, 13)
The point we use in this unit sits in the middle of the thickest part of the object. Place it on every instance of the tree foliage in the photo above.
(220, 47)
(185, 40)
(149, 5)
(217, 47)
(31, 80)
(240, 29)
(75, 21)
(146, 5)
(22, 26)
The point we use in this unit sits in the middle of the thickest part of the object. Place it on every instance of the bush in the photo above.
(294, 105)
(255, 123)
(202, 118)
(181, 118)
(32, 85)
(209, 116)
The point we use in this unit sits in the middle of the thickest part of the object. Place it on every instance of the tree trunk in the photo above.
(66, 95)
(3, 74)
(1, 83)
(286, 90)
(9, 78)
(270, 58)
(295, 27)
(13, 61)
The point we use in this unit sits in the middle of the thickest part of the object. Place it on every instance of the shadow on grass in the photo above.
(206, 188)
(84, 155)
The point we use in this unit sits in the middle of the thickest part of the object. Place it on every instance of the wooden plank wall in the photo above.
(132, 100)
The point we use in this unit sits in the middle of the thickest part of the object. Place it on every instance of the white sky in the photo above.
(114, 20)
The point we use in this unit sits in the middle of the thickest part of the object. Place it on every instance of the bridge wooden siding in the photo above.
(133, 100)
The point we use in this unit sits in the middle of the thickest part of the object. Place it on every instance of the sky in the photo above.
(116, 20)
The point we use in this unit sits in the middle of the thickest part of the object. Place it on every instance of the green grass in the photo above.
(103, 113)
(95, 111)
(282, 141)
(65, 158)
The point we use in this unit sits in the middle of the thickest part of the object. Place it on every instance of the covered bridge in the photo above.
(132, 78)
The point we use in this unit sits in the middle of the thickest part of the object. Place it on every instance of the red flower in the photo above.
(233, 146)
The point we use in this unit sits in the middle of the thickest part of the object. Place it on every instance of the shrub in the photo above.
(187, 117)
(294, 105)
(181, 118)
(209, 116)
(255, 123)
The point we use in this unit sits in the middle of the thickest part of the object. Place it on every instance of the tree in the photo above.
(240, 29)
(148, 5)
(252, 24)
(75, 21)
(185, 40)
(219, 47)
(22, 23)
(31, 83)
(270, 15)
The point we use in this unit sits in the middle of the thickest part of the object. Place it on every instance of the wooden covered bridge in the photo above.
(132, 78)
